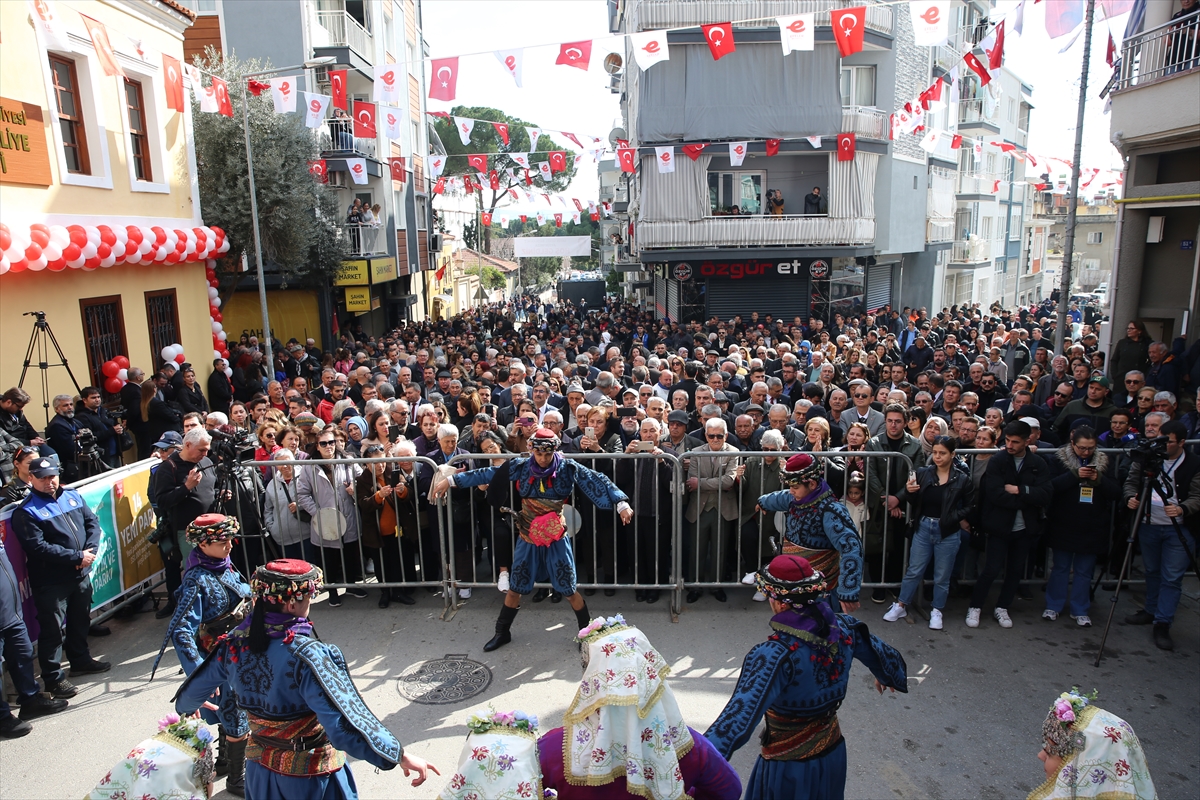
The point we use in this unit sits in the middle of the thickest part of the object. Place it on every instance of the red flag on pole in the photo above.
(558, 219)
(486, 219)
(978, 68)
(625, 155)
(847, 143)
(575, 54)
(397, 165)
(773, 146)
(573, 138)
(174, 82)
(848, 24)
(221, 92)
(364, 120)
(443, 79)
(996, 51)
(441, 273)
(318, 170)
(337, 87)
(719, 38)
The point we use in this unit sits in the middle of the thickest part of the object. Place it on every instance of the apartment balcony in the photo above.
(869, 123)
(340, 29)
(978, 115)
(363, 241)
(757, 231)
(657, 14)
(1154, 97)
(972, 253)
(336, 139)
(976, 183)
(939, 231)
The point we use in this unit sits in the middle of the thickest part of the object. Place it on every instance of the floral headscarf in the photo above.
(624, 719)
(499, 759)
(1105, 760)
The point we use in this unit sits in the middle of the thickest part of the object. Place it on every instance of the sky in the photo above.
(569, 99)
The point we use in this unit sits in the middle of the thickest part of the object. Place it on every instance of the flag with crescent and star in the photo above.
(720, 39)
(443, 78)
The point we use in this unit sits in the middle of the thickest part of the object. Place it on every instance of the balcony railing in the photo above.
(939, 231)
(337, 136)
(655, 14)
(345, 31)
(976, 183)
(757, 231)
(870, 123)
(972, 251)
(975, 111)
(363, 240)
(1160, 52)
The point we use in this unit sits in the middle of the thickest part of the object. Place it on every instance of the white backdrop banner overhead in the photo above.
(535, 246)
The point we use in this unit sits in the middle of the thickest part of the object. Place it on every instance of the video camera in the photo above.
(1149, 454)
(230, 448)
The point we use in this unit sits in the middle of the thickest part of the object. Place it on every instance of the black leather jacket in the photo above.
(956, 502)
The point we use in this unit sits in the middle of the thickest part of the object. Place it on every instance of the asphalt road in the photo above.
(968, 727)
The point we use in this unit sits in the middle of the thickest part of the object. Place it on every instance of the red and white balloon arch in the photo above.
(89, 247)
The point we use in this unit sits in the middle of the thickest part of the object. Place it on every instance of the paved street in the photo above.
(967, 728)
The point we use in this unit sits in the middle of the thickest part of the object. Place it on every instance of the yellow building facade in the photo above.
(80, 148)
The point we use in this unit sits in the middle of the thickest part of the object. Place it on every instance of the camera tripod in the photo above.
(41, 339)
(1152, 481)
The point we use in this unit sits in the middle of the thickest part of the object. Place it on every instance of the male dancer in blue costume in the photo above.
(543, 482)
(819, 528)
(211, 601)
(797, 679)
(304, 711)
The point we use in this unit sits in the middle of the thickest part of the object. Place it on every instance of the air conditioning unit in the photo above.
(337, 179)
(435, 242)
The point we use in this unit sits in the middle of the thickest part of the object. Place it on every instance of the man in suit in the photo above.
(778, 419)
(712, 508)
(860, 394)
(507, 414)
(758, 396)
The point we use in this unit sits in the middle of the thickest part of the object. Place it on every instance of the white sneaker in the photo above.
(502, 584)
(1083, 620)
(935, 620)
(972, 617)
(895, 612)
(749, 578)
(1050, 615)
(759, 597)
(1001, 615)
(464, 594)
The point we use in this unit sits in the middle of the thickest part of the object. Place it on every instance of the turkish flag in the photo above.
(494, 180)
(1110, 54)
(502, 130)
(467, 184)
(104, 49)
(575, 54)
(573, 138)
(486, 218)
(443, 79)
(221, 92)
(978, 68)
(595, 216)
(558, 161)
(441, 273)
(364, 120)
(477, 161)
(848, 26)
(996, 51)
(337, 86)
(578, 205)
(397, 164)
(173, 73)
(956, 142)
(319, 170)
(528, 178)
(557, 219)
(524, 218)
(692, 151)
(719, 38)
(625, 155)
(773, 146)
(440, 186)
(846, 146)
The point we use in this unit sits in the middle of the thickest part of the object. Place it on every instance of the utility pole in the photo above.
(1064, 286)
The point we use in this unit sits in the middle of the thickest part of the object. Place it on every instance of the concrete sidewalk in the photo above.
(969, 726)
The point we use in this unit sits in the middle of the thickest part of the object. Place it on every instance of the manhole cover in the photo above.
(444, 680)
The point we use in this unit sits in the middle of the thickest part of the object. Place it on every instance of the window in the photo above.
(990, 161)
(70, 115)
(1091, 263)
(139, 142)
(422, 222)
(858, 86)
(104, 333)
(389, 29)
(162, 318)
(1095, 237)
(1014, 225)
(735, 193)
(1012, 109)
(985, 228)
(400, 211)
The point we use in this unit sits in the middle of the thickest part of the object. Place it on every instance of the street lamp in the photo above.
(262, 286)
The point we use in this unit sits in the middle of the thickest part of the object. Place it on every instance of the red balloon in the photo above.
(103, 250)
(209, 272)
(160, 236)
(225, 354)
(18, 266)
(39, 234)
(56, 266)
(172, 258)
(106, 235)
(133, 233)
(214, 283)
(72, 251)
(91, 263)
(213, 311)
(113, 385)
(122, 362)
(110, 368)
(217, 316)
(179, 359)
(33, 252)
(5, 237)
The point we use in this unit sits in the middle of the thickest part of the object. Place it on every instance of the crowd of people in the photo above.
(959, 442)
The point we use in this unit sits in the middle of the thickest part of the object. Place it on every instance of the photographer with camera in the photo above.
(108, 430)
(63, 434)
(1167, 551)
(181, 488)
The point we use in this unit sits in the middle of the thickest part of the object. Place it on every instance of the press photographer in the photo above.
(181, 488)
(238, 491)
(108, 427)
(63, 434)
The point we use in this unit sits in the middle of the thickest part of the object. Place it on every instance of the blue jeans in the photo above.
(928, 544)
(1165, 561)
(1056, 588)
(16, 651)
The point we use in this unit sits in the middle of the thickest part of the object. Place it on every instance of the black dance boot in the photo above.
(235, 784)
(583, 617)
(503, 623)
(221, 762)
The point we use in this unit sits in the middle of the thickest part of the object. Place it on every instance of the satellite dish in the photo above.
(615, 134)
(613, 63)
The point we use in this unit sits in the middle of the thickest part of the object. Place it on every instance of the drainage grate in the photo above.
(444, 680)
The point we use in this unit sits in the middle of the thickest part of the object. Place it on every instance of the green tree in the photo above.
(297, 215)
(612, 282)
(491, 277)
(485, 139)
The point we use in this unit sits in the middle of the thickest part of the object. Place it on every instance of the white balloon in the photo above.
(52, 252)
(216, 301)
(108, 261)
(13, 253)
(212, 293)
(216, 326)
(3, 266)
(89, 250)
(216, 353)
(60, 237)
(178, 347)
(93, 235)
(228, 372)
(121, 234)
(167, 353)
(77, 263)
(222, 335)
(161, 253)
(123, 374)
(40, 264)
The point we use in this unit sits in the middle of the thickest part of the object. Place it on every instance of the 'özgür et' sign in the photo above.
(817, 268)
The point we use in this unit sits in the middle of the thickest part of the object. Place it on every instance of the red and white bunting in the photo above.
(387, 85)
(522, 159)
(435, 165)
(626, 157)
(104, 48)
(557, 219)
(772, 146)
(173, 81)
(392, 118)
(364, 120)
(314, 109)
(477, 161)
(737, 153)
(815, 141)
(693, 151)
(283, 94)
(978, 67)
(930, 21)
(443, 78)
(558, 161)
(534, 135)
(54, 32)
(501, 131)
(720, 39)
(932, 137)
(575, 54)
(397, 166)
(337, 88)
(511, 61)
(848, 29)
(665, 158)
(649, 48)
(546, 172)
(357, 167)
(796, 32)
(464, 126)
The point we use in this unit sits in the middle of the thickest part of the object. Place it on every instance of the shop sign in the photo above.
(682, 271)
(749, 268)
(383, 270)
(819, 269)
(352, 273)
(24, 157)
(358, 299)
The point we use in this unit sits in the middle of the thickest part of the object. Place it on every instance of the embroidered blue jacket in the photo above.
(204, 596)
(799, 675)
(823, 523)
(290, 680)
(571, 475)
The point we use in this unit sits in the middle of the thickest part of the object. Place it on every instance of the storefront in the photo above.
(362, 290)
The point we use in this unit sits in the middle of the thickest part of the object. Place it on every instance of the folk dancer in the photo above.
(798, 679)
(304, 711)
(543, 482)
